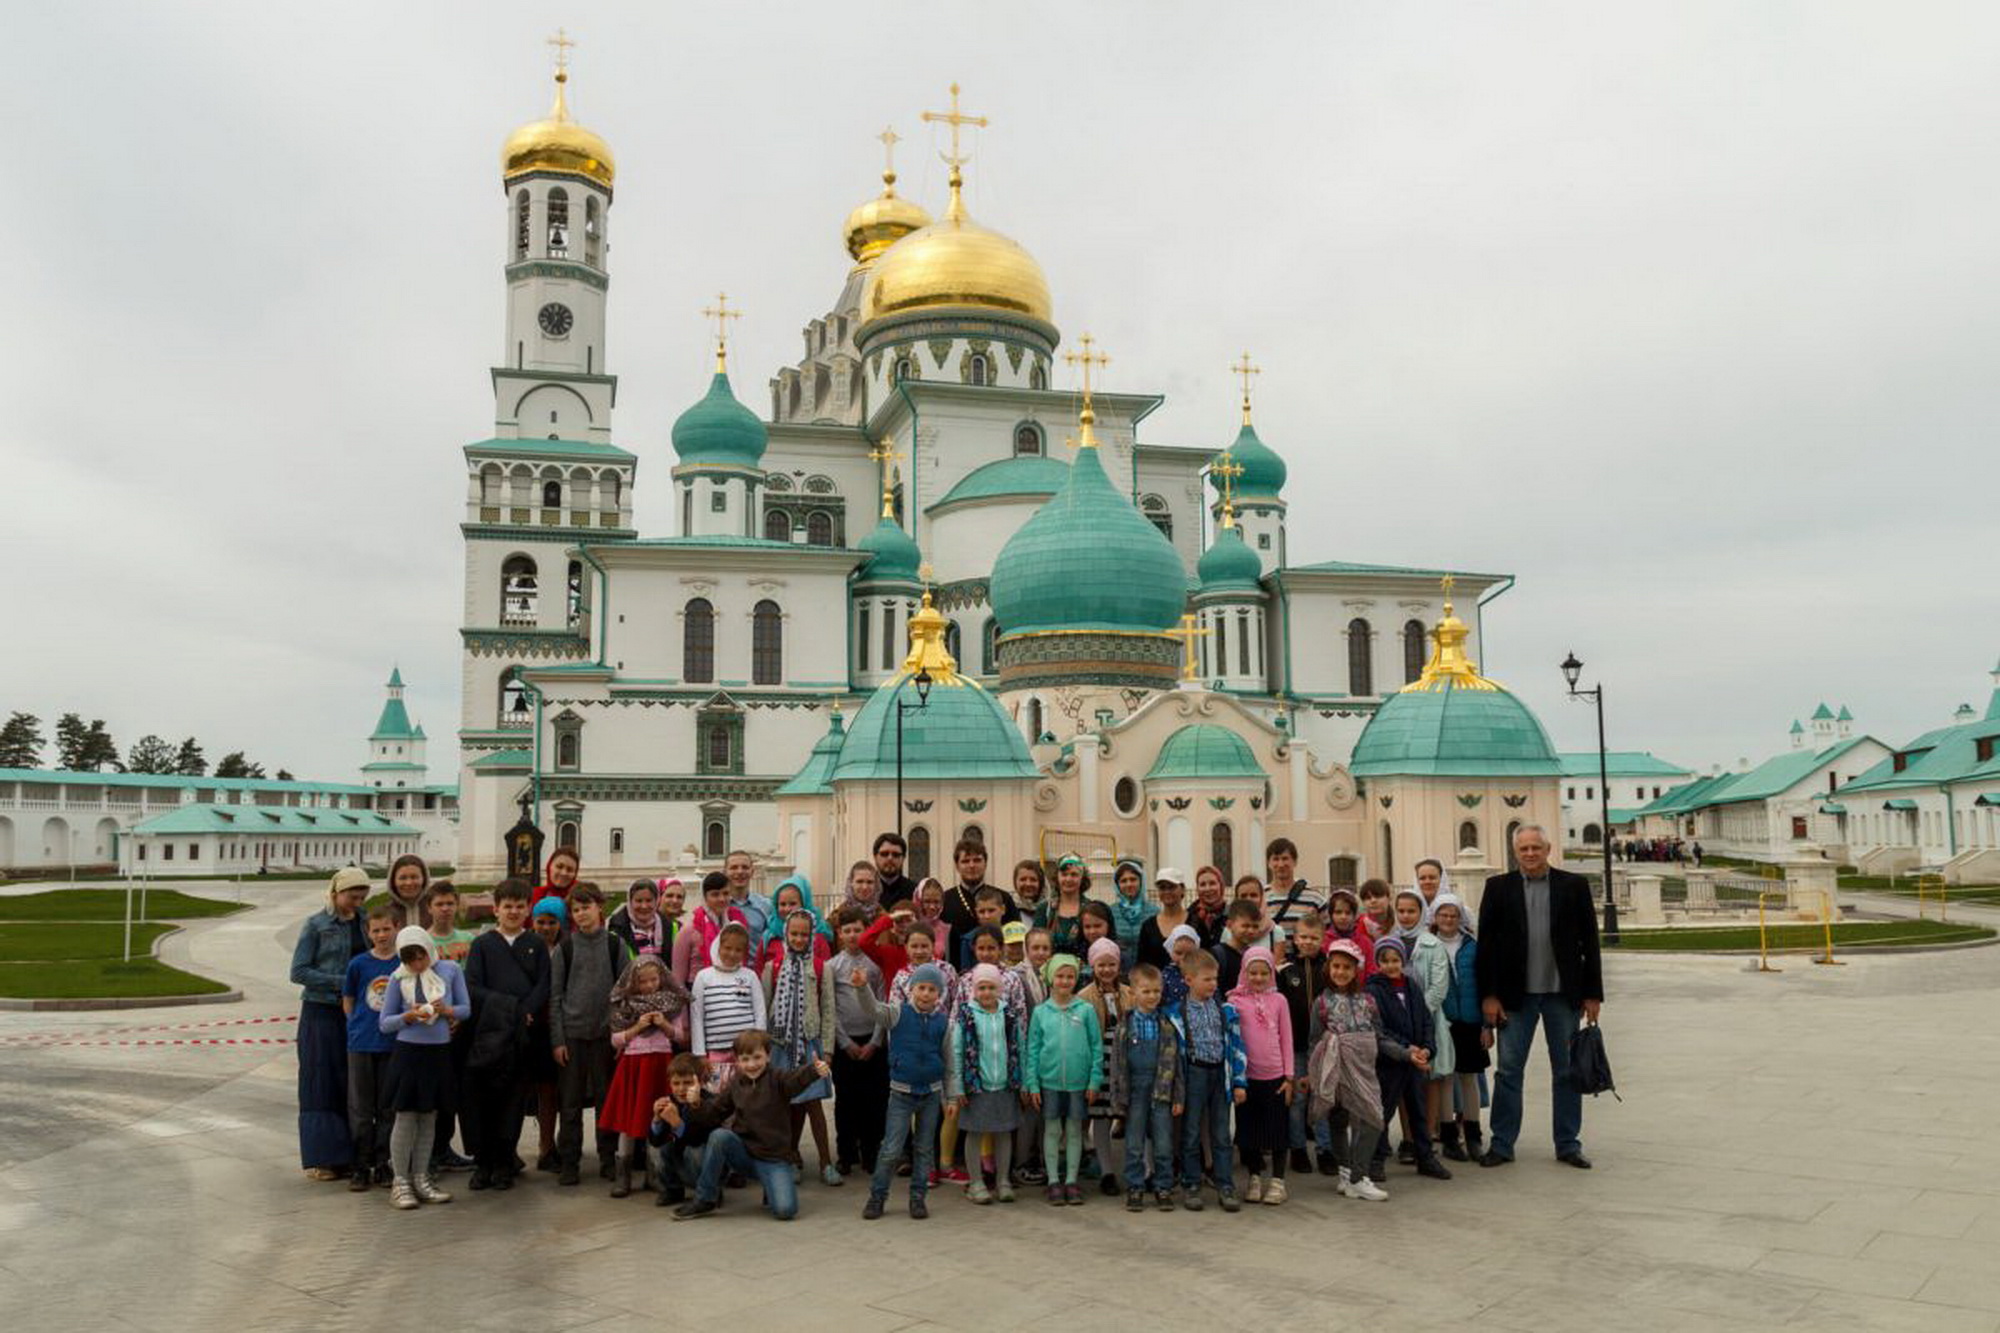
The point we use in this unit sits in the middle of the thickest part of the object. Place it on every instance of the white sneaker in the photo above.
(1275, 1193)
(1254, 1191)
(1366, 1190)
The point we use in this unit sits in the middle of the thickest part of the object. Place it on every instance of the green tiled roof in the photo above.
(1027, 476)
(1088, 560)
(719, 430)
(893, 556)
(1832, 808)
(1352, 567)
(814, 777)
(1900, 803)
(726, 540)
(1949, 754)
(501, 760)
(962, 733)
(170, 780)
(1454, 731)
(1263, 471)
(1766, 780)
(256, 819)
(609, 453)
(1822, 714)
(1204, 750)
(1229, 563)
(1620, 764)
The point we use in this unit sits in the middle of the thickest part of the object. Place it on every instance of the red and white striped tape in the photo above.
(97, 1036)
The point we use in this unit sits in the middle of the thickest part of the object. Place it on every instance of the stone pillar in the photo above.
(1646, 907)
(1468, 878)
(1700, 888)
(1807, 878)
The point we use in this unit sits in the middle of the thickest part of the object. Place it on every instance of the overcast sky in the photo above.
(1683, 313)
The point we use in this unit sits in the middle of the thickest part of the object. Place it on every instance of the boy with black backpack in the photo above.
(587, 963)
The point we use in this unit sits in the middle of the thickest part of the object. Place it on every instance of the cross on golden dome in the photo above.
(562, 42)
(1243, 368)
(954, 118)
(889, 139)
(885, 455)
(1226, 467)
(721, 314)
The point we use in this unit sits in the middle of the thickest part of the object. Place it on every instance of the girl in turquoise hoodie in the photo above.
(1062, 1073)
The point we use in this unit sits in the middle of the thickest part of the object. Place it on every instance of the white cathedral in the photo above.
(1106, 647)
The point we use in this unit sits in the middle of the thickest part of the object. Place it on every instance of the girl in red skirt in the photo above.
(648, 1023)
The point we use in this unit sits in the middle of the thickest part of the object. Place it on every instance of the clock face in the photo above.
(555, 319)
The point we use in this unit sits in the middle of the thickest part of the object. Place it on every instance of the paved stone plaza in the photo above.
(1814, 1149)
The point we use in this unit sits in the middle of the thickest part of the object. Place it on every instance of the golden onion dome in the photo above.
(557, 143)
(881, 222)
(956, 262)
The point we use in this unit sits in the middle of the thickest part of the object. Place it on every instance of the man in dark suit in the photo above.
(1538, 965)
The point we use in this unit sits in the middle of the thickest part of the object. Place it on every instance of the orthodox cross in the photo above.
(721, 314)
(889, 139)
(885, 455)
(1228, 469)
(562, 42)
(1187, 632)
(955, 119)
(1246, 370)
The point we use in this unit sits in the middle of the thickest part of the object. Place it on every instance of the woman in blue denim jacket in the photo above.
(327, 940)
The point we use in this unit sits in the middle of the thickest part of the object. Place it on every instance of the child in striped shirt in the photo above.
(727, 1000)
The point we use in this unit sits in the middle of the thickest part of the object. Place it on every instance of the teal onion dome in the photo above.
(720, 431)
(1204, 750)
(893, 556)
(1088, 560)
(1263, 473)
(1229, 564)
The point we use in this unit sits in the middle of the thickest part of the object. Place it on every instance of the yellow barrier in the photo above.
(1763, 934)
(1826, 919)
(1925, 885)
(1057, 843)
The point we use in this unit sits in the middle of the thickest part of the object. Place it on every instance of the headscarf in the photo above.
(775, 932)
(1258, 1006)
(1446, 898)
(796, 970)
(1058, 961)
(627, 1004)
(426, 987)
(1103, 948)
(554, 907)
(1128, 915)
(1408, 934)
(986, 972)
(1181, 932)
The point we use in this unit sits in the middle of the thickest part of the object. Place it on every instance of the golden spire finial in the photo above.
(1086, 416)
(562, 42)
(1226, 467)
(889, 139)
(1246, 370)
(1187, 632)
(885, 455)
(1449, 664)
(955, 159)
(721, 314)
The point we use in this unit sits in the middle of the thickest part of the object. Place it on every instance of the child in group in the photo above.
(1095, 922)
(724, 1002)
(860, 1065)
(1344, 921)
(1109, 997)
(794, 894)
(749, 1126)
(369, 1118)
(863, 892)
(1241, 929)
(694, 947)
(989, 908)
(507, 976)
(1183, 942)
(798, 993)
(919, 951)
(986, 948)
(550, 924)
(439, 908)
(1263, 1121)
(1148, 1089)
(918, 1028)
(1411, 918)
(1407, 919)
(1455, 1100)
(1300, 981)
(1251, 889)
(1037, 948)
(1013, 943)
(1217, 1079)
(1061, 1072)
(928, 902)
(1129, 909)
(1403, 1056)
(983, 1076)
(1376, 916)
(678, 1143)
(1341, 1074)
(588, 962)
(649, 1018)
(423, 998)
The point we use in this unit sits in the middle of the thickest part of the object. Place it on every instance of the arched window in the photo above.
(552, 495)
(558, 223)
(566, 833)
(919, 859)
(1413, 650)
(767, 644)
(1037, 377)
(989, 639)
(1592, 835)
(1342, 872)
(574, 598)
(718, 749)
(1468, 835)
(698, 641)
(1034, 721)
(1221, 637)
(819, 528)
(951, 640)
(905, 369)
(1360, 658)
(592, 232)
(1388, 845)
(513, 699)
(612, 487)
(777, 525)
(1155, 509)
(569, 749)
(975, 369)
(1028, 438)
(518, 591)
(521, 229)
(1222, 850)
(861, 638)
(714, 839)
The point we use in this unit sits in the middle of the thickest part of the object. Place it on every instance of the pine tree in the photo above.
(70, 736)
(151, 754)
(189, 761)
(285, 775)
(99, 750)
(21, 742)
(234, 765)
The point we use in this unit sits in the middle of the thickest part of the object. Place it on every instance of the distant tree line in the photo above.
(87, 747)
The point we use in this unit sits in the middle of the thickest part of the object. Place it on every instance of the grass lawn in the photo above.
(44, 941)
(109, 905)
(105, 978)
(1846, 935)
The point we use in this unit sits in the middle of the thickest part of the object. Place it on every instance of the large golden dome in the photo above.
(557, 144)
(955, 262)
(881, 222)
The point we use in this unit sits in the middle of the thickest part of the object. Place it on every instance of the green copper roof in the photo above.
(1797, 726)
(1026, 475)
(1845, 716)
(1088, 560)
(1263, 471)
(257, 819)
(503, 760)
(1456, 731)
(1354, 567)
(1768, 779)
(814, 777)
(893, 556)
(1230, 563)
(719, 430)
(395, 678)
(1949, 754)
(530, 446)
(1618, 764)
(394, 724)
(1204, 750)
(1822, 714)
(961, 733)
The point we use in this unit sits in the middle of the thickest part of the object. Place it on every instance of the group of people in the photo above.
(1656, 849)
(1043, 1035)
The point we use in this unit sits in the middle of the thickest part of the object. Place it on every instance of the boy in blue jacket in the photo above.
(917, 1029)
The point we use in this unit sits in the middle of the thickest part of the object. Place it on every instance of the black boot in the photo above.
(1448, 1141)
(1473, 1138)
(621, 1182)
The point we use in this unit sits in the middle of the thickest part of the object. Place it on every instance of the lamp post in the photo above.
(923, 680)
(1571, 669)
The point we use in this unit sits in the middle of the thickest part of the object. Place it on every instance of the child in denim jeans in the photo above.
(1147, 1088)
(1217, 1078)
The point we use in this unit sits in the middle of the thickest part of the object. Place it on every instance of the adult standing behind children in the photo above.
(587, 961)
(507, 977)
(1538, 965)
(408, 878)
(890, 853)
(1286, 896)
(969, 858)
(1170, 887)
(740, 866)
(328, 939)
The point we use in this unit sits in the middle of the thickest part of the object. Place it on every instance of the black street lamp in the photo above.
(1571, 669)
(923, 681)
